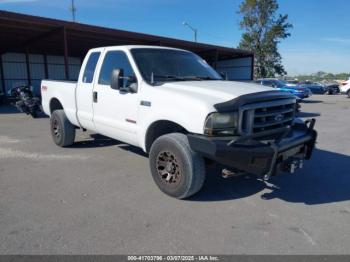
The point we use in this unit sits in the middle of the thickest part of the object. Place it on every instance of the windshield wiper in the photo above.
(168, 77)
(198, 78)
(207, 78)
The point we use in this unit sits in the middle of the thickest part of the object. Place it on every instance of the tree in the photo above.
(263, 32)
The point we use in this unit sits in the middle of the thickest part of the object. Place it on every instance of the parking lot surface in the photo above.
(98, 197)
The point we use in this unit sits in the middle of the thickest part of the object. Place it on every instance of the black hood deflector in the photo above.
(236, 103)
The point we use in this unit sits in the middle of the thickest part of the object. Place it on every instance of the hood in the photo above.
(214, 91)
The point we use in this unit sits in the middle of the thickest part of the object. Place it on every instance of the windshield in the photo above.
(164, 65)
(282, 82)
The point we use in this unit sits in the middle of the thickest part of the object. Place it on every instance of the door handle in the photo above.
(94, 97)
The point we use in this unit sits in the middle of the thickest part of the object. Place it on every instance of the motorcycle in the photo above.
(25, 100)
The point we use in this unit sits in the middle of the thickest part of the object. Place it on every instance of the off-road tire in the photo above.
(190, 166)
(62, 131)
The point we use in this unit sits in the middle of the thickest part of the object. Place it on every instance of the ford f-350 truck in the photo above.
(180, 111)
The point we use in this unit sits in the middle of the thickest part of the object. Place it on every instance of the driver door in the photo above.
(115, 112)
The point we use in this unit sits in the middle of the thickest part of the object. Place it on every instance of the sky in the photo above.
(320, 38)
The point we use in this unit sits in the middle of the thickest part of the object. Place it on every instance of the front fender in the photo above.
(193, 123)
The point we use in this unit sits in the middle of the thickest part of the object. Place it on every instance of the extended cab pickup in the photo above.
(179, 110)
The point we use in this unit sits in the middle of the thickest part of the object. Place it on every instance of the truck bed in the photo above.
(63, 91)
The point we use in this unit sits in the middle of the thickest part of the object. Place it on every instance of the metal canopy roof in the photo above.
(26, 33)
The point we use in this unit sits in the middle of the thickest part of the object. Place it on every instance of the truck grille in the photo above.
(265, 116)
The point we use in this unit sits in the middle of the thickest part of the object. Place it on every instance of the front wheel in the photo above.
(348, 93)
(62, 131)
(177, 170)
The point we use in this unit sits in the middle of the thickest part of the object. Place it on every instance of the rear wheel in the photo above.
(176, 169)
(348, 93)
(62, 131)
(34, 113)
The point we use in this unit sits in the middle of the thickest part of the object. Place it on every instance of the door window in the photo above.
(116, 60)
(90, 67)
(268, 83)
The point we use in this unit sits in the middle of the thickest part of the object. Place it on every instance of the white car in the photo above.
(345, 87)
(179, 110)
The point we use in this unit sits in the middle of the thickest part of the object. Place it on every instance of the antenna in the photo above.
(73, 9)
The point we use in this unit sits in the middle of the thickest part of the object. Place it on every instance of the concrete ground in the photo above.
(98, 197)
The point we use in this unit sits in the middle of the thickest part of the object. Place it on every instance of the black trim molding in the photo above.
(265, 96)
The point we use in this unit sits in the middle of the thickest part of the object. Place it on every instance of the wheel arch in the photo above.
(159, 128)
(55, 104)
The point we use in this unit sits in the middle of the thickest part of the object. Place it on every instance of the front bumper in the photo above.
(253, 154)
(345, 89)
(302, 95)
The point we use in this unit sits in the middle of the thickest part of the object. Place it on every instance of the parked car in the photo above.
(298, 91)
(315, 88)
(174, 106)
(292, 82)
(345, 87)
(332, 88)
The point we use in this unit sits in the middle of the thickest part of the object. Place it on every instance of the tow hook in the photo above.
(293, 165)
(225, 173)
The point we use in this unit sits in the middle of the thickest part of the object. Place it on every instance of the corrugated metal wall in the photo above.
(15, 69)
(37, 70)
(236, 69)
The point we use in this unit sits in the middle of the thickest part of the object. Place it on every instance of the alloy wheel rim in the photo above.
(56, 128)
(168, 168)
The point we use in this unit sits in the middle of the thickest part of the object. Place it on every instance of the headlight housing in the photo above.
(221, 124)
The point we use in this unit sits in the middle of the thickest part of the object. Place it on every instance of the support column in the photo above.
(216, 59)
(65, 50)
(2, 76)
(252, 68)
(28, 68)
(46, 67)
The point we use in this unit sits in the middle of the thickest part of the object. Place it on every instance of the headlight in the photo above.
(221, 124)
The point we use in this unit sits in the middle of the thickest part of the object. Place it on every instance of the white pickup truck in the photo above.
(179, 110)
(345, 87)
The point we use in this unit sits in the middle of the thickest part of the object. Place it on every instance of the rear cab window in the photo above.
(90, 67)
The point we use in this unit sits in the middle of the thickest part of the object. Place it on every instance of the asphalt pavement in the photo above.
(98, 197)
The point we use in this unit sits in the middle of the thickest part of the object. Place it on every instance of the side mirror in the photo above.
(131, 85)
(130, 89)
(117, 79)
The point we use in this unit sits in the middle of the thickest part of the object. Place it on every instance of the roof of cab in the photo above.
(129, 47)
